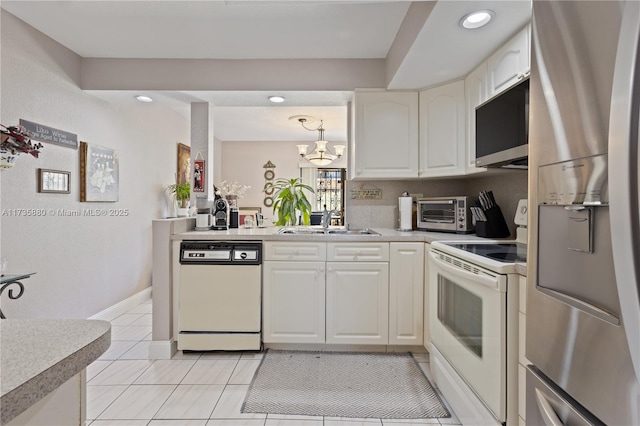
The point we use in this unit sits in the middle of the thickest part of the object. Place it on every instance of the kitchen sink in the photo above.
(328, 231)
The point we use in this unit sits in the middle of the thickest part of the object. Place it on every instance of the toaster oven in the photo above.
(446, 214)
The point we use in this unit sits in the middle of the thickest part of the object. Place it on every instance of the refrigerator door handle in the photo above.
(546, 410)
(624, 159)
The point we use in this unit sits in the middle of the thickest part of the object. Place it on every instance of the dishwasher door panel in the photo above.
(220, 298)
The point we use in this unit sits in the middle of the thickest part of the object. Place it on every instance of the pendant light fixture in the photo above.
(321, 155)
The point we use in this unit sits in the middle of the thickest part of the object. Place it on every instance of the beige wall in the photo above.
(83, 264)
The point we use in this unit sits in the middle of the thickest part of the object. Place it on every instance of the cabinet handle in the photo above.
(520, 76)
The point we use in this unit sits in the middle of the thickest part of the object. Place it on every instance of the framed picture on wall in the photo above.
(184, 163)
(54, 181)
(99, 179)
(199, 180)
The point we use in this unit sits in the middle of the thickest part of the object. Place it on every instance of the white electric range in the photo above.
(473, 321)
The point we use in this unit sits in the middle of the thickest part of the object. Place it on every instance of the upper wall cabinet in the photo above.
(510, 63)
(386, 135)
(475, 93)
(442, 130)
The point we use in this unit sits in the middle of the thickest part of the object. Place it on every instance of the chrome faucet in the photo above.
(326, 217)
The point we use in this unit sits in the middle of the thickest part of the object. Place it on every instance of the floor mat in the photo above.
(340, 384)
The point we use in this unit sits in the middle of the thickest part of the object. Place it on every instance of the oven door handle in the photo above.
(493, 282)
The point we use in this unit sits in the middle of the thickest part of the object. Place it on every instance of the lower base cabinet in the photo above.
(293, 302)
(358, 303)
(343, 293)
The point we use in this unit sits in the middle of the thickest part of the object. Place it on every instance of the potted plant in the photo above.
(181, 193)
(289, 198)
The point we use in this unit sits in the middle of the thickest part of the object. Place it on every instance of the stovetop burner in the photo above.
(502, 252)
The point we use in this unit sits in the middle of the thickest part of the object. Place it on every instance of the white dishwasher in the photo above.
(220, 295)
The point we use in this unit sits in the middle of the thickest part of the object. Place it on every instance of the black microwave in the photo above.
(502, 129)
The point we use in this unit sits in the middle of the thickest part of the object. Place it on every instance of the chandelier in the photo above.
(320, 156)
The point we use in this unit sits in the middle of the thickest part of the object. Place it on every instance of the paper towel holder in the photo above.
(405, 212)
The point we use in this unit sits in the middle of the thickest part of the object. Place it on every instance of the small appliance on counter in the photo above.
(220, 215)
(445, 214)
(204, 219)
(405, 212)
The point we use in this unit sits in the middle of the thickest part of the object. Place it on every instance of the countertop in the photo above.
(271, 234)
(39, 355)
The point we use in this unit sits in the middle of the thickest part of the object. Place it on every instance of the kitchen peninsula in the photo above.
(43, 363)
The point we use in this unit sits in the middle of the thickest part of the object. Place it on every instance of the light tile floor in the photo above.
(125, 388)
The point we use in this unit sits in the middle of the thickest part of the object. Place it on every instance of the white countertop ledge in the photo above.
(39, 355)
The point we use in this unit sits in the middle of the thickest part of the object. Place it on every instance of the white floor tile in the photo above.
(252, 355)
(165, 372)
(139, 351)
(426, 368)
(292, 417)
(210, 372)
(221, 355)
(178, 423)
(145, 319)
(236, 422)
(126, 319)
(144, 308)
(230, 402)
(299, 422)
(138, 402)
(95, 367)
(100, 397)
(191, 402)
(120, 372)
(346, 421)
(129, 332)
(186, 355)
(244, 372)
(148, 337)
(116, 349)
(119, 423)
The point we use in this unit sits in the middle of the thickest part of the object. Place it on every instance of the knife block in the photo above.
(495, 225)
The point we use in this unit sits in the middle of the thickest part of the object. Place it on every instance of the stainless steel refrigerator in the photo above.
(583, 306)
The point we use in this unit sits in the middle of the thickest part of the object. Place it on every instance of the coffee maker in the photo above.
(220, 214)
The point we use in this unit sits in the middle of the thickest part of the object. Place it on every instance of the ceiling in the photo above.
(236, 29)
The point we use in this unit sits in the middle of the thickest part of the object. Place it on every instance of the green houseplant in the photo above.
(181, 193)
(289, 197)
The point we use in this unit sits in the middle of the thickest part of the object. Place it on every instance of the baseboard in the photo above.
(124, 306)
(162, 349)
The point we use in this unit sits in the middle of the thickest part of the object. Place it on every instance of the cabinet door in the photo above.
(510, 63)
(442, 130)
(358, 303)
(293, 302)
(475, 91)
(406, 281)
(386, 135)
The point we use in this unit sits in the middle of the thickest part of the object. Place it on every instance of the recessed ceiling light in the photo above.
(276, 99)
(477, 19)
(142, 98)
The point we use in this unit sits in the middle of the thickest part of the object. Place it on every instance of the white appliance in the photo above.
(473, 308)
(583, 286)
(220, 295)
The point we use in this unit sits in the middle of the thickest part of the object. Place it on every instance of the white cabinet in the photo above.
(293, 301)
(386, 135)
(475, 93)
(510, 63)
(442, 130)
(406, 281)
(357, 293)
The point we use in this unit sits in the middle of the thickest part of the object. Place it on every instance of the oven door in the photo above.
(437, 214)
(467, 317)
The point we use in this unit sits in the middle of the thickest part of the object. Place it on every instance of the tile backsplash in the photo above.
(508, 186)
